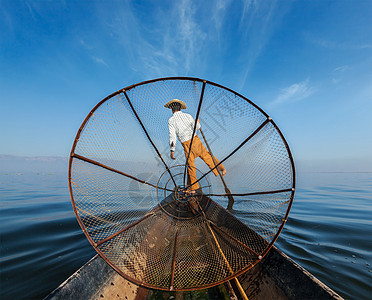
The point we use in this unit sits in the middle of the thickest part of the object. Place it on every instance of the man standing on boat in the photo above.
(181, 125)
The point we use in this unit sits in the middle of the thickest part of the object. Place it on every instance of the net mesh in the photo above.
(148, 216)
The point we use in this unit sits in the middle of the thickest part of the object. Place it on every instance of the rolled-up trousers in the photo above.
(198, 150)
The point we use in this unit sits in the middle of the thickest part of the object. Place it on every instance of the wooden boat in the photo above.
(275, 277)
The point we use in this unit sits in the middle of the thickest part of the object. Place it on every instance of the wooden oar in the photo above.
(227, 190)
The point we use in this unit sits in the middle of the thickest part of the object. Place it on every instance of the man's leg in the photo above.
(209, 160)
(191, 171)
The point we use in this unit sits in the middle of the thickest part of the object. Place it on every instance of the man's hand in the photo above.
(172, 155)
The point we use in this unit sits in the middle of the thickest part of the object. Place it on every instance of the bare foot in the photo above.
(190, 192)
(223, 172)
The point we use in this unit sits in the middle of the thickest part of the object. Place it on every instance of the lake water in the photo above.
(328, 232)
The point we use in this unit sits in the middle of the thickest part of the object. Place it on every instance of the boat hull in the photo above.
(275, 277)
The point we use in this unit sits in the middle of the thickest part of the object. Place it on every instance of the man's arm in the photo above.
(198, 125)
(172, 138)
(191, 122)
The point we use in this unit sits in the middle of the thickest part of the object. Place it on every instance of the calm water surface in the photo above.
(329, 232)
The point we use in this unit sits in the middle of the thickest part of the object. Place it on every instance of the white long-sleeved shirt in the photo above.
(180, 125)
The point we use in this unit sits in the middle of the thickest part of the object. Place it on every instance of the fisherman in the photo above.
(181, 125)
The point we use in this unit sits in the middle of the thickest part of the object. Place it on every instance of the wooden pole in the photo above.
(240, 288)
(227, 190)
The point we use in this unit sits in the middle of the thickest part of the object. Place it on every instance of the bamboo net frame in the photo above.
(132, 202)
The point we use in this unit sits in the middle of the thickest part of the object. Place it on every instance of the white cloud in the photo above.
(332, 44)
(183, 34)
(100, 61)
(338, 73)
(171, 46)
(190, 36)
(32, 8)
(258, 23)
(218, 13)
(295, 92)
(85, 45)
(341, 69)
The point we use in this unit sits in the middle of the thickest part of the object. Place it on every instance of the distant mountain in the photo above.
(20, 164)
(53, 164)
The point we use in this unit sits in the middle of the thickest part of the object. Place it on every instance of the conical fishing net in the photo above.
(179, 224)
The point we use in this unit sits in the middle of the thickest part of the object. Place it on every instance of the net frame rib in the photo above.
(235, 239)
(235, 150)
(147, 135)
(194, 130)
(174, 198)
(171, 288)
(99, 243)
(151, 213)
(252, 194)
(93, 162)
(208, 224)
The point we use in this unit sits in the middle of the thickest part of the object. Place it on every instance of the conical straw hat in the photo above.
(183, 104)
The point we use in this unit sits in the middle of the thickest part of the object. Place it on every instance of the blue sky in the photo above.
(308, 64)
